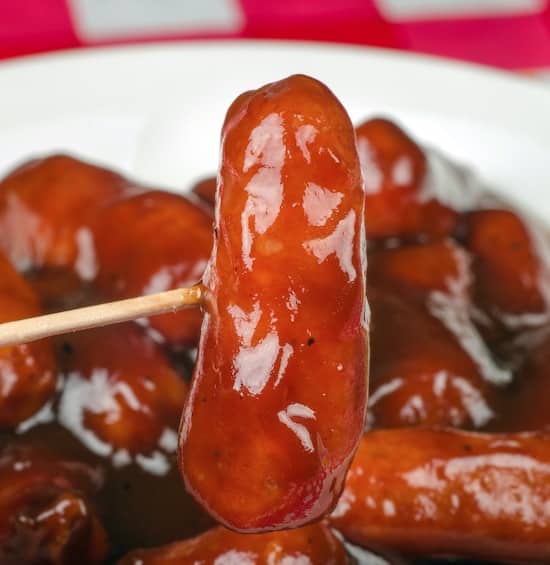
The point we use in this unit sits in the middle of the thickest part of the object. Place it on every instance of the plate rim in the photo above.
(457, 89)
(415, 57)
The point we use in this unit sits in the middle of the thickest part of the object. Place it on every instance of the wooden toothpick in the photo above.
(31, 329)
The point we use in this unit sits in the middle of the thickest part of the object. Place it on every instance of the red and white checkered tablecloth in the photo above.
(512, 34)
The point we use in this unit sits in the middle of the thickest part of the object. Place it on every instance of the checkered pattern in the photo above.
(513, 34)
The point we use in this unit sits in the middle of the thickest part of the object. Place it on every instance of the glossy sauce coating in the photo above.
(512, 278)
(278, 398)
(426, 378)
(398, 201)
(420, 269)
(205, 189)
(460, 338)
(152, 242)
(524, 405)
(120, 392)
(429, 365)
(108, 401)
(444, 492)
(118, 409)
(69, 217)
(314, 545)
(142, 502)
(28, 375)
(47, 207)
(46, 516)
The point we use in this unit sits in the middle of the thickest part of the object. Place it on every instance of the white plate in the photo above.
(155, 111)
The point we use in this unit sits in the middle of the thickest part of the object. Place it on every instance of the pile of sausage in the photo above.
(259, 399)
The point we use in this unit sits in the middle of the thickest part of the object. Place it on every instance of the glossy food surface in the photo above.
(450, 493)
(315, 545)
(511, 267)
(69, 217)
(399, 202)
(27, 372)
(120, 392)
(46, 513)
(70, 227)
(205, 189)
(430, 365)
(278, 398)
(152, 242)
(460, 338)
(47, 207)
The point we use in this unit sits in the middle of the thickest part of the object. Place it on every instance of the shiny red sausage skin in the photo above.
(46, 513)
(511, 270)
(446, 492)
(423, 377)
(119, 387)
(28, 376)
(47, 207)
(422, 370)
(151, 242)
(315, 545)
(205, 190)
(278, 398)
(398, 203)
(73, 218)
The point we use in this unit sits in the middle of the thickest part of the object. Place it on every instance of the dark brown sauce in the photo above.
(499, 303)
(137, 507)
